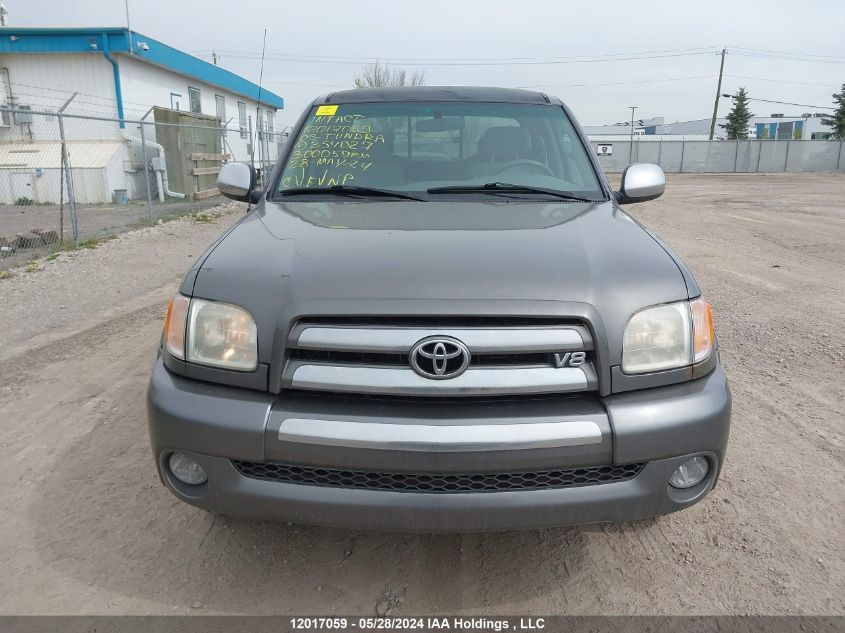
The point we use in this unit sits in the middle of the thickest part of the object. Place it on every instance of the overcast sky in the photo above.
(784, 51)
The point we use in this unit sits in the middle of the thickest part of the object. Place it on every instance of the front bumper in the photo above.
(661, 426)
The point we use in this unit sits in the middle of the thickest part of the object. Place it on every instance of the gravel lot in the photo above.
(86, 527)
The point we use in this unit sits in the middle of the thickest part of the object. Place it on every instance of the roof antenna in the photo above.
(257, 112)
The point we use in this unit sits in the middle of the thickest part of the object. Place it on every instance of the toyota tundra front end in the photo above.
(437, 317)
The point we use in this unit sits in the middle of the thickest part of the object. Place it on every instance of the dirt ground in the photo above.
(86, 527)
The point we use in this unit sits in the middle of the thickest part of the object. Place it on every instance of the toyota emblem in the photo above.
(439, 357)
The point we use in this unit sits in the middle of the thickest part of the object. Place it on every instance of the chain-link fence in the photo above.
(68, 180)
(749, 156)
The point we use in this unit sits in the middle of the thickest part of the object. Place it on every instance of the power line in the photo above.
(584, 85)
(800, 105)
(295, 83)
(788, 53)
(523, 61)
(619, 83)
(364, 61)
(782, 81)
(787, 59)
(434, 60)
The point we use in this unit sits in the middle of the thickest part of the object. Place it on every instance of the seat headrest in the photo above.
(504, 142)
(381, 150)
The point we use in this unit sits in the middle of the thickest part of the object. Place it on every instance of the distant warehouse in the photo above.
(121, 75)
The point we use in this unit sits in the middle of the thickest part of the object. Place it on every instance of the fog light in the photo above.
(691, 472)
(186, 469)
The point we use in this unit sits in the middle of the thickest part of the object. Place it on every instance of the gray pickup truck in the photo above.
(437, 317)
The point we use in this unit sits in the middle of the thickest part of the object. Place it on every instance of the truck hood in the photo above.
(316, 257)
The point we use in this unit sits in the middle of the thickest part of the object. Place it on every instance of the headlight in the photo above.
(668, 336)
(222, 335)
(211, 333)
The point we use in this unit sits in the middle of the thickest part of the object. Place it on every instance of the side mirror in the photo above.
(237, 181)
(641, 182)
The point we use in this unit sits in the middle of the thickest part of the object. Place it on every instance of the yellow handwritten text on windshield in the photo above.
(331, 150)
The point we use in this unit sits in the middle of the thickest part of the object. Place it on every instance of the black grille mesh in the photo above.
(376, 358)
(428, 482)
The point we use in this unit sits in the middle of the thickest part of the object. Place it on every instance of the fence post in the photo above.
(193, 150)
(71, 197)
(250, 144)
(659, 152)
(736, 154)
(839, 158)
(146, 166)
(258, 146)
(786, 160)
(683, 147)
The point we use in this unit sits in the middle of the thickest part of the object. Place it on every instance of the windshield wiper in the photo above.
(506, 186)
(351, 190)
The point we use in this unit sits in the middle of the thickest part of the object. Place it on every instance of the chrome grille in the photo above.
(507, 356)
(438, 482)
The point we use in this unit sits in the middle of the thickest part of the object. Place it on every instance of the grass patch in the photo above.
(6, 274)
(205, 218)
(94, 242)
(32, 267)
(58, 249)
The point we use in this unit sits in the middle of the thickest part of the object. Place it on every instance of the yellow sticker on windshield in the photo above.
(326, 110)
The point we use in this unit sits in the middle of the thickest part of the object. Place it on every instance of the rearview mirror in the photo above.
(641, 182)
(442, 124)
(236, 181)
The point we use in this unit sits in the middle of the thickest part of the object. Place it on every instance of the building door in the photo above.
(21, 186)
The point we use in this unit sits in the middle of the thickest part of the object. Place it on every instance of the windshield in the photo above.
(417, 146)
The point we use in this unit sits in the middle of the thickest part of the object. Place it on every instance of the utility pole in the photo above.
(718, 94)
(631, 144)
(129, 26)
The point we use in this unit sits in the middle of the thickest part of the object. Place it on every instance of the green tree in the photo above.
(736, 125)
(837, 122)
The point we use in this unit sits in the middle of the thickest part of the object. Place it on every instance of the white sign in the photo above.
(604, 149)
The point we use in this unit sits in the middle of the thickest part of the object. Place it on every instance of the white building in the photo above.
(118, 74)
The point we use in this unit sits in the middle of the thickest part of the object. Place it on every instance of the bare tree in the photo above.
(377, 75)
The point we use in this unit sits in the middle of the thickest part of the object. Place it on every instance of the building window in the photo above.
(175, 98)
(260, 122)
(242, 119)
(270, 116)
(194, 99)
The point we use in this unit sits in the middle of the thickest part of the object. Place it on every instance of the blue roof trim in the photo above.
(90, 40)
